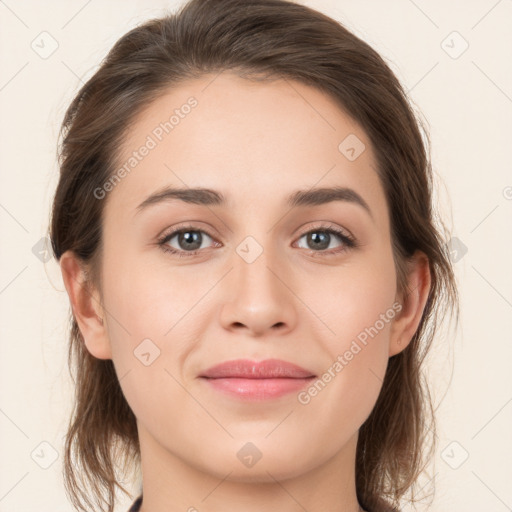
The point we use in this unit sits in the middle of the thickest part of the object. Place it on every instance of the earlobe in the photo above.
(413, 304)
(86, 304)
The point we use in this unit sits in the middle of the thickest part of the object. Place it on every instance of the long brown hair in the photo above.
(258, 40)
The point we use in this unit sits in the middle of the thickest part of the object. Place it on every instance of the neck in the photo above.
(170, 484)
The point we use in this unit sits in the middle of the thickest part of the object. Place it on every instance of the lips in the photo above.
(252, 381)
(247, 369)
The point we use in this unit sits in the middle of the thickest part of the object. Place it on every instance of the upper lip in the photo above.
(246, 369)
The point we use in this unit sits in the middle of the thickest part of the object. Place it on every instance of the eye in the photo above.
(320, 239)
(188, 240)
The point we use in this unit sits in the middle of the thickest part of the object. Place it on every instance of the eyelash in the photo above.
(349, 242)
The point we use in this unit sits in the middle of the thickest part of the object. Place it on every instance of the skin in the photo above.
(255, 142)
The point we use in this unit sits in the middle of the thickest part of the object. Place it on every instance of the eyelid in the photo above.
(302, 230)
(325, 225)
(183, 226)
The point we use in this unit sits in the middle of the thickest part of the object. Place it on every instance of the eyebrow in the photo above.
(209, 197)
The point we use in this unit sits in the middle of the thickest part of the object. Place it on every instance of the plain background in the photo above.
(465, 95)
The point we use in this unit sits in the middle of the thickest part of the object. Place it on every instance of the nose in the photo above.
(259, 297)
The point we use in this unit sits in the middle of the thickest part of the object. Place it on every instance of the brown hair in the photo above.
(258, 40)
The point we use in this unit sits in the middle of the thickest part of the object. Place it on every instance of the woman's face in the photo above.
(268, 279)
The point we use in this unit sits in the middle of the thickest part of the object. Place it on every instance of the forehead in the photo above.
(254, 141)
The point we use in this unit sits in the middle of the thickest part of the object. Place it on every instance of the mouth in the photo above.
(251, 380)
(267, 369)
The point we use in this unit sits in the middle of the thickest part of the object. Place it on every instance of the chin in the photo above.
(264, 473)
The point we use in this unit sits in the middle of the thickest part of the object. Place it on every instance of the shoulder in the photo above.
(136, 505)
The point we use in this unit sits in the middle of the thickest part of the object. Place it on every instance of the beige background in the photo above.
(467, 102)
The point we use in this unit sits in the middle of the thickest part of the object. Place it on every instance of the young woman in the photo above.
(245, 229)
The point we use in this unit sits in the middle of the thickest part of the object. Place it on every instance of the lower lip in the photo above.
(257, 389)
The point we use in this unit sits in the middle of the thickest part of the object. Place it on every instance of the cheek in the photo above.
(148, 319)
(352, 297)
(346, 391)
(358, 309)
(151, 310)
(148, 300)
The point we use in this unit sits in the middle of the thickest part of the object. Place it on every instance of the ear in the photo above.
(86, 304)
(413, 303)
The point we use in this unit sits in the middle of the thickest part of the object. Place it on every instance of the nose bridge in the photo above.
(256, 267)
